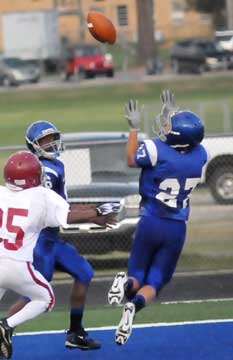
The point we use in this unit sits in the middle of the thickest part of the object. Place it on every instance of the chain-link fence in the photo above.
(209, 239)
(216, 115)
(96, 172)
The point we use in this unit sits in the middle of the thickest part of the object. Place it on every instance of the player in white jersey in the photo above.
(25, 209)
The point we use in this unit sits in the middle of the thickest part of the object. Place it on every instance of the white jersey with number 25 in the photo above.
(23, 214)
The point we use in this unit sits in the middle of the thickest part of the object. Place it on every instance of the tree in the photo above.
(146, 41)
(214, 7)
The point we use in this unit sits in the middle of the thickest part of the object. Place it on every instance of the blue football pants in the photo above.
(156, 247)
(50, 255)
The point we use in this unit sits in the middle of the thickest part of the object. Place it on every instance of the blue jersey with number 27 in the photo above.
(167, 178)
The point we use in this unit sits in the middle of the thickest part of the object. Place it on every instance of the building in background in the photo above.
(172, 19)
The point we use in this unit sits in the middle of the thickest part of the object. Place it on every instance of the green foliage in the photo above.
(214, 7)
(207, 6)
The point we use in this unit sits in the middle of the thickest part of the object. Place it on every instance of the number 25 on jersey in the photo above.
(11, 228)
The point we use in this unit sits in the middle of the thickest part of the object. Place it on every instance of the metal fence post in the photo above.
(226, 116)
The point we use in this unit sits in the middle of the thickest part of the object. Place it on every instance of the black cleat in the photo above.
(81, 341)
(5, 339)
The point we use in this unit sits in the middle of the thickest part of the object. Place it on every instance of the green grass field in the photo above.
(101, 108)
(155, 313)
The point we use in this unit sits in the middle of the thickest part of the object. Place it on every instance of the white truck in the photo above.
(96, 172)
(31, 35)
(218, 172)
(104, 169)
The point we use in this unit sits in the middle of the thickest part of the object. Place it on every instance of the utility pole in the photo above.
(229, 12)
(82, 21)
(146, 41)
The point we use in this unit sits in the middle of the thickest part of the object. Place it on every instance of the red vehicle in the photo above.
(88, 61)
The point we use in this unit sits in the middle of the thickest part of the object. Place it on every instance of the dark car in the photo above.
(198, 55)
(14, 71)
(87, 61)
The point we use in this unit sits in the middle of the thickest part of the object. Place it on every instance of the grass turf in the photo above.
(105, 316)
(101, 108)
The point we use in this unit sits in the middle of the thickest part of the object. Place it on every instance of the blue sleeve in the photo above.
(146, 155)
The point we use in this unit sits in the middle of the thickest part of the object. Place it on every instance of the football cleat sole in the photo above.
(125, 326)
(117, 290)
(5, 343)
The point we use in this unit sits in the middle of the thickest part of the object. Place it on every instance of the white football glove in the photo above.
(108, 208)
(168, 104)
(133, 114)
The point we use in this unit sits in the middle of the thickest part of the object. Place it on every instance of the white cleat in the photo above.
(124, 329)
(117, 290)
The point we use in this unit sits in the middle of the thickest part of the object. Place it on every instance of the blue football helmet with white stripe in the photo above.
(182, 129)
(36, 139)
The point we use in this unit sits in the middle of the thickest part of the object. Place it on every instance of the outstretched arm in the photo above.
(78, 213)
(103, 215)
(132, 146)
(132, 114)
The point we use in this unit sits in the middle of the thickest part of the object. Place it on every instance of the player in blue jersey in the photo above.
(51, 252)
(171, 167)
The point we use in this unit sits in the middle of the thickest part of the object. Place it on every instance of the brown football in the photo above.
(101, 28)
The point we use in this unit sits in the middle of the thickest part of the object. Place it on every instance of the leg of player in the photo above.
(17, 306)
(158, 271)
(71, 262)
(39, 291)
(143, 297)
(77, 337)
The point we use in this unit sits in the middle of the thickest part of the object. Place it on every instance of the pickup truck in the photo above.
(218, 172)
(96, 172)
(104, 172)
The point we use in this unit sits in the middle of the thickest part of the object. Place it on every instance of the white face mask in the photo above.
(48, 149)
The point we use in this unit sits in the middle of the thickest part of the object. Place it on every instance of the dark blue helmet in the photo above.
(39, 130)
(182, 130)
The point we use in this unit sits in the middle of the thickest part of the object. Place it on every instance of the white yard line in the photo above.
(200, 301)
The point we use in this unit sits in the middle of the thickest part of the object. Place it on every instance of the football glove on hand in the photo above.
(108, 208)
(133, 114)
(168, 104)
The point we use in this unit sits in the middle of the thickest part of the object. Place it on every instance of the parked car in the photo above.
(225, 39)
(14, 71)
(87, 61)
(198, 55)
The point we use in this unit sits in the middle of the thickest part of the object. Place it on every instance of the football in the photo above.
(101, 28)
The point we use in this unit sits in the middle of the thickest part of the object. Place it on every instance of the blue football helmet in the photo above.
(182, 129)
(39, 130)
